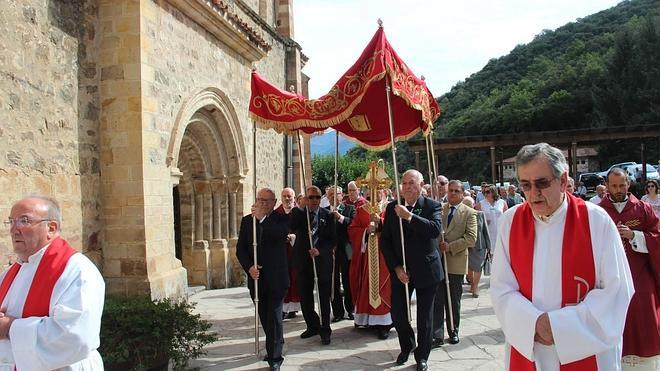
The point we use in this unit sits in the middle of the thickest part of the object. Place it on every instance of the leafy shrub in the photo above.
(139, 333)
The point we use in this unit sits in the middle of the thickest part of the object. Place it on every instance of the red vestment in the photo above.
(359, 275)
(292, 297)
(641, 336)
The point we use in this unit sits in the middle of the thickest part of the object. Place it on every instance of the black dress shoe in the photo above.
(453, 339)
(325, 339)
(275, 366)
(309, 333)
(337, 319)
(265, 358)
(383, 332)
(403, 357)
(351, 316)
(422, 365)
(291, 315)
(437, 343)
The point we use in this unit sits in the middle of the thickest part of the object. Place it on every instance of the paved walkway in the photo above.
(232, 314)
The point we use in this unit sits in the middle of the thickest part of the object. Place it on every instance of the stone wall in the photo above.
(49, 107)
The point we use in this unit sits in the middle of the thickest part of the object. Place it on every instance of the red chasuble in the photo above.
(359, 270)
(577, 262)
(51, 266)
(641, 336)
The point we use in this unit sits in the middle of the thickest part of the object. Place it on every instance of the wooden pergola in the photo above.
(569, 139)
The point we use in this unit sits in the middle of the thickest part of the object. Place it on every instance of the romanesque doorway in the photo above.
(207, 164)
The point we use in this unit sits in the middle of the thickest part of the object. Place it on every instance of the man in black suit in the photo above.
(271, 270)
(322, 226)
(343, 214)
(421, 218)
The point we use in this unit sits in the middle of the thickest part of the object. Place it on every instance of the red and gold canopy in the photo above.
(356, 106)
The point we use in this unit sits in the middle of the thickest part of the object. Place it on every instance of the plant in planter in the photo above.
(138, 333)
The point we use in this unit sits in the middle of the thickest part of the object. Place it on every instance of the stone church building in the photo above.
(134, 115)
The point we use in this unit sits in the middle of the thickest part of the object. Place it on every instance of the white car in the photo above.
(635, 172)
(621, 165)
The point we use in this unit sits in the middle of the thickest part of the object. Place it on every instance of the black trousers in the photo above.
(441, 306)
(340, 302)
(306, 288)
(425, 298)
(270, 316)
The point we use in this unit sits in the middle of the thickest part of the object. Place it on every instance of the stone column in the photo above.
(208, 214)
(220, 264)
(199, 216)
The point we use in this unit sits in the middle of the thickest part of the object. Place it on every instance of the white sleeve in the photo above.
(596, 324)
(71, 332)
(639, 242)
(516, 314)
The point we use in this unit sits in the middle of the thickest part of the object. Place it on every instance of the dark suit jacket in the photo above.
(271, 251)
(327, 241)
(421, 242)
(342, 228)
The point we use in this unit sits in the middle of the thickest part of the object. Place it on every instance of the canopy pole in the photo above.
(254, 238)
(431, 172)
(335, 208)
(396, 182)
(442, 239)
(309, 228)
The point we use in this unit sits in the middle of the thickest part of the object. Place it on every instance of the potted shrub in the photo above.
(138, 333)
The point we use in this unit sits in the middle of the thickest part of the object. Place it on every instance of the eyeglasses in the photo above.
(539, 184)
(314, 197)
(23, 221)
(442, 183)
(650, 186)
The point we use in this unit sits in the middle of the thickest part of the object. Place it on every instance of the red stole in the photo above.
(577, 261)
(51, 266)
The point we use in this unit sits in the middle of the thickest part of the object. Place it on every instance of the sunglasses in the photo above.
(650, 186)
(314, 197)
(539, 184)
(443, 183)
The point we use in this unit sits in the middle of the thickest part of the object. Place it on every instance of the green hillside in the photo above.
(602, 70)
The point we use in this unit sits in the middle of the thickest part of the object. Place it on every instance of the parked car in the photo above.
(591, 180)
(621, 165)
(635, 172)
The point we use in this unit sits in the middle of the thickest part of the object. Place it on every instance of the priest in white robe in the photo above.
(51, 298)
(536, 257)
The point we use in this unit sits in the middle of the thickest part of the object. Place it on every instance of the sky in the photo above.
(444, 40)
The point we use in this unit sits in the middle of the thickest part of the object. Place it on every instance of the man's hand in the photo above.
(254, 272)
(402, 212)
(336, 214)
(5, 324)
(444, 246)
(625, 231)
(543, 329)
(401, 274)
(314, 252)
(291, 238)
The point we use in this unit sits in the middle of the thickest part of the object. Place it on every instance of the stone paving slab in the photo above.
(232, 314)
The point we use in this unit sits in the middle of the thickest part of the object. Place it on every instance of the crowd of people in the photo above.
(573, 282)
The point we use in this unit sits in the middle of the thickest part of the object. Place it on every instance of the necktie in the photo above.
(409, 208)
(313, 217)
(451, 215)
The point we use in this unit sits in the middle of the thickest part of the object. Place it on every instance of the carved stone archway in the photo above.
(206, 157)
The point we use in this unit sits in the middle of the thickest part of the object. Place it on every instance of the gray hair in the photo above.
(455, 181)
(554, 156)
(318, 190)
(418, 176)
(339, 190)
(53, 211)
(469, 201)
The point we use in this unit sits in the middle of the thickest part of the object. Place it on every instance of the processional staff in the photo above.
(254, 238)
(431, 155)
(376, 180)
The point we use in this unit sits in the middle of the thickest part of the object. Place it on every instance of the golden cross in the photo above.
(376, 179)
